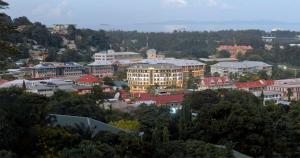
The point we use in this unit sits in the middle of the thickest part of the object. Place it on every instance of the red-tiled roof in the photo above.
(159, 99)
(213, 81)
(3, 81)
(124, 94)
(230, 47)
(254, 84)
(89, 79)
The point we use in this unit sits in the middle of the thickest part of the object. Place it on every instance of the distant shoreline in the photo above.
(196, 27)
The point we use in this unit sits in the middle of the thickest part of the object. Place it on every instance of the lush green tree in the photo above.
(289, 93)
(223, 54)
(3, 4)
(21, 113)
(151, 117)
(156, 137)
(7, 49)
(166, 136)
(72, 32)
(88, 149)
(263, 75)
(70, 56)
(129, 125)
(98, 95)
(202, 99)
(7, 154)
(72, 104)
(21, 21)
(108, 81)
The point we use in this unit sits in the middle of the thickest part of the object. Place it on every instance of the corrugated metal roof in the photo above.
(177, 62)
(96, 126)
(243, 64)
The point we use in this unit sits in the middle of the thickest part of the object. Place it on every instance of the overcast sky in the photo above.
(93, 13)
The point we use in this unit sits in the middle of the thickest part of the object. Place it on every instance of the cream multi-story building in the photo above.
(53, 69)
(111, 55)
(142, 76)
(188, 67)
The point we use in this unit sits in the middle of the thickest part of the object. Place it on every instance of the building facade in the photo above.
(101, 69)
(141, 76)
(215, 83)
(89, 80)
(240, 68)
(52, 69)
(235, 49)
(188, 67)
(151, 54)
(290, 88)
(111, 55)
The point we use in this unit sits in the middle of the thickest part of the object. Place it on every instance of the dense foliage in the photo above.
(27, 130)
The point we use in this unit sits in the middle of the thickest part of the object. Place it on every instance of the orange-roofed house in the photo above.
(3, 81)
(255, 85)
(89, 80)
(216, 83)
(174, 100)
(235, 49)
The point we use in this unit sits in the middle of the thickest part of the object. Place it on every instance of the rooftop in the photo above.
(100, 62)
(89, 79)
(288, 83)
(254, 84)
(177, 62)
(226, 47)
(159, 99)
(216, 81)
(217, 59)
(116, 53)
(3, 81)
(108, 62)
(154, 66)
(243, 64)
(97, 126)
(56, 64)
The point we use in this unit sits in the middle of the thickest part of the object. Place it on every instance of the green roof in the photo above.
(120, 83)
(97, 126)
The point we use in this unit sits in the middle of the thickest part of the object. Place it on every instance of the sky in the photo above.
(101, 13)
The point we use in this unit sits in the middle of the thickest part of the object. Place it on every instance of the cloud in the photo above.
(206, 3)
(215, 3)
(53, 11)
(174, 3)
(212, 3)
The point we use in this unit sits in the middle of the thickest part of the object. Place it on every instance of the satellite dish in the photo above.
(117, 96)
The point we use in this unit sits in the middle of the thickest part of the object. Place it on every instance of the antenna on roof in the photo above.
(234, 41)
(147, 41)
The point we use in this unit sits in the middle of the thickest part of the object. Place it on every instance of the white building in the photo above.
(240, 68)
(42, 87)
(274, 96)
(287, 86)
(111, 55)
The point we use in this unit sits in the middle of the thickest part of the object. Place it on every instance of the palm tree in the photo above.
(289, 94)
